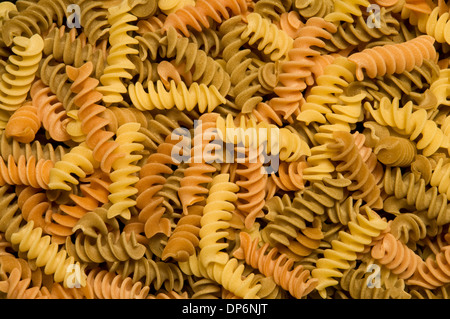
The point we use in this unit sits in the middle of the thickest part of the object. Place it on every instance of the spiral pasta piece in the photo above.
(197, 16)
(266, 35)
(432, 273)
(435, 24)
(294, 279)
(297, 68)
(23, 123)
(104, 148)
(393, 58)
(32, 172)
(345, 248)
(118, 63)
(79, 161)
(410, 123)
(54, 260)
(50, 111)
(396, 256)
(20, 70)
(206, 98)
(35, 19)
(124, 169)
(345, 10)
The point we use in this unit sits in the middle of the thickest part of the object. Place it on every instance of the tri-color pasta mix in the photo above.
(119, 177)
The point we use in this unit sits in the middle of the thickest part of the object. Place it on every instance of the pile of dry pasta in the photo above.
(100, 99)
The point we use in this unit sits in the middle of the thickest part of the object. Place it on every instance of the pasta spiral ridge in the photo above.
(408, 192)
(118, 63)
(393, 58)
(35, 19)
(54, 260)
(79, 161)
(411, 123)
(346, 247)
(20, 70)
(432, 273)
(45, 151)
(217, 212)
(244, 89)
(435, 25)
(206, 98)
(102, 284)
(267, 36)
(230, 276)
(50, 111)
(294, 279)
(197, 16)
(296, 69)
(23, 123)
(104, 148)
(94, 193)
(110, 247)
(152, 177)
(396, 256)
(185, 237)
(290, 175)
(363, 184)
(32, 172)
(94, 19)
(345, 10)
(193, 185)
(73, 50)
(124, 169)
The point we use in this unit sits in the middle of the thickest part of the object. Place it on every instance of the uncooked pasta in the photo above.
(224, 149)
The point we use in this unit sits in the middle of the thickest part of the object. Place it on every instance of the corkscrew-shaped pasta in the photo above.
(94, 20)
(429, 137)
(34, 205)
(296, 69)
(50, 111)
(267, 36)
(185, 237)
(220, 204)
(393, 58)
(198, 16)
(192, 186)
(238, 62)
(230, 276)
(20, 70)
(348, 34)
(252, 180)
(206, 98)
(94, 192)
(73, 50)
(104, 148)
(79, 161)
(250, 134)
(396, 256)
(54, 260)
(110, 247)
(101, 284)
(407, 192)
(35, 19)
(296, 279)
(441, 87)
(23, 123)
(289, 176)
(36, 149)
(124, 169)
(345, 10)
(32, 172)
(118, 63)
(345, 249)
(363, 184)
(152, 177)
(432, 273)
(16, 280)
(440, 178)
(53, 74)
(435, 24)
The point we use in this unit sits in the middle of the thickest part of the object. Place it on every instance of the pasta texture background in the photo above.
(225, 149)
